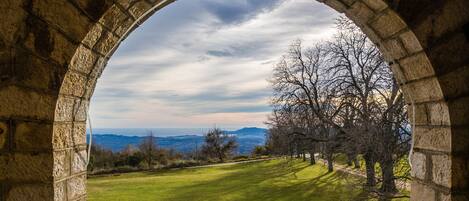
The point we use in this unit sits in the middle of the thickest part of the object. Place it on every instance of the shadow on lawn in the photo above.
(279, 180)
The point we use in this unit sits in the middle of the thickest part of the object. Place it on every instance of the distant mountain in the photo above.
(247, 139)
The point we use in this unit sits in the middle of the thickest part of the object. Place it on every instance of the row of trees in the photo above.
(340, 97)
(218, 145)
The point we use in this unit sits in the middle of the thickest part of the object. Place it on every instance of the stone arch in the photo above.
(52, 52)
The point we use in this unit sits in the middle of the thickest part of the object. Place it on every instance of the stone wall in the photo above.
(52, 53)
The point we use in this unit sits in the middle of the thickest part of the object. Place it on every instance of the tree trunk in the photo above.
(389, 185)
(312, 160)
(304, 156)
(356, 162)
(370, 170)
(330, 165)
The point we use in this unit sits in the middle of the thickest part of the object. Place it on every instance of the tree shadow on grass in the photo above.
(274, 181)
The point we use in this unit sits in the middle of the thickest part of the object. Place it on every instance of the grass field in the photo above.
(278, 180)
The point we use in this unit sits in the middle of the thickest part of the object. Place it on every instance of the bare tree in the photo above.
(149, 149)
(219, 144)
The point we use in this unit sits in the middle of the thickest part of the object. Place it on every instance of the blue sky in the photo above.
(203, 63)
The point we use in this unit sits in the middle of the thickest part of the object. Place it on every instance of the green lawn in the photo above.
(278, 180)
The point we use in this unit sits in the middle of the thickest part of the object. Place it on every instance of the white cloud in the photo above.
(192, 66)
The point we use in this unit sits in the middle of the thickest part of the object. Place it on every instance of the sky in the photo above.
(204, 63)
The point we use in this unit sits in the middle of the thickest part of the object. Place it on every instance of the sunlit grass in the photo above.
(279, 180)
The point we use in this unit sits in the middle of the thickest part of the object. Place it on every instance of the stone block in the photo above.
(410, 41)
(433, 138)
(76, 187)
(419, 167)
(74, 84)
(114, 18)
(80, 110)
(30, 167)
(33, 136)
(62, 14)
(94, 8)
(106, 43)
(388, 24)
(22, 102)
(79, 161)
(93, 35)
(64, 110)
(393, 49)
(438, 114)
(84, 59)
(62, 136)
(376, 5)
(36, 192)
(59, 191)
(416, 67)
(61, 164)
(423, 90)
(79, 134)
(13, 18)
(441, 172)
(422, 192)
(139, 8)
(126, 3)
(359, 13)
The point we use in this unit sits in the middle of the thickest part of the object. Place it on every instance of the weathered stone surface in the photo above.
(36, 192)
(106, 43)
(433, 138)
(93, 35)
(76, 187)
(62, 137)
(420, 192)
(83, 60)
(376, 5)
(4, 135)
(79, 133)
(139, 8)
(80, 110)
(416, 67)
(21, 102)
(388, 24)
(438, 114)
(79, 161)
(74, 84)
(359, 13)
(59, 191)
(62, 14)
(393, 49)
(33, 136)
(30, 167)
(13, 18)
(114, 18)
(441, 172)
(64, 110)
(419, 167)
(61, 164)
(423, 90)
(410, 42)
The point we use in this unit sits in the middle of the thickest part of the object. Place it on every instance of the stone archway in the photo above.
(53, 51)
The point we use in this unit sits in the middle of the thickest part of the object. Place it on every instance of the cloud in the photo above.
(196, 63)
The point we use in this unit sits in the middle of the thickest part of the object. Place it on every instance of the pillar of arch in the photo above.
(53, 51)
